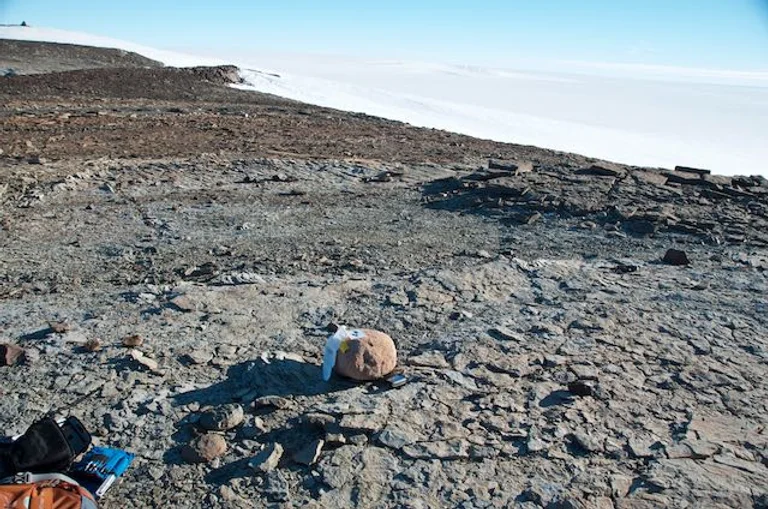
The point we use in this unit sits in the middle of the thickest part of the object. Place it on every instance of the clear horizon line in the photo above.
(700, 72)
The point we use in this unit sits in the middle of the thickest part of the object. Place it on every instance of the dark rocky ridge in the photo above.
(635, 201)
(162, 83)
(29, 57)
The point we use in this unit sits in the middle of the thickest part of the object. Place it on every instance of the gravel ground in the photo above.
(554, 359)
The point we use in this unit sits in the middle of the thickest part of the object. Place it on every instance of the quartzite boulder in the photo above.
(367, 358)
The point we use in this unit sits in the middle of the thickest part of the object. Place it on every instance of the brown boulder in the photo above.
(133, 341)
(204, 448)
(369, 357)
(10, 354)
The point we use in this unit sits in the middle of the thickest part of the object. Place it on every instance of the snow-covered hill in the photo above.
(648, 116)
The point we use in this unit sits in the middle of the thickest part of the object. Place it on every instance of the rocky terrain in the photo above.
(25, 57)
(173, 250)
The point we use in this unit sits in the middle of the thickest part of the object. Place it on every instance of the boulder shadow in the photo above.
(37, 335)
(258, 378)
(244, 383)
(555, 398)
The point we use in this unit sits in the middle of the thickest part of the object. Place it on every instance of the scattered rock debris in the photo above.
(551, 360)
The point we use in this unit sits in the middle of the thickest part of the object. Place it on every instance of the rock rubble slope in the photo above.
(554, 359)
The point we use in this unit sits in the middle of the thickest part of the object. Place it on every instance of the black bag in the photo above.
(46, 447)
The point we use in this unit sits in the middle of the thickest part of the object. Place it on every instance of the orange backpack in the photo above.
(56, 492)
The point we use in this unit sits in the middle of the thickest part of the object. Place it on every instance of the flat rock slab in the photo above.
(222, 418)
(268, 459)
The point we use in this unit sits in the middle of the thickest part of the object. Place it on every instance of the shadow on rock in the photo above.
(454, 195)
(37, 335)
(254, 379)
(498, 196)
(236, 470)
(556, 398)
(293, 436)
(245, 382)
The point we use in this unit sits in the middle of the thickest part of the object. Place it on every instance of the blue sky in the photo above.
(721, 34)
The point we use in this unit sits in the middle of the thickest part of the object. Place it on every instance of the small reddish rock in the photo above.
(133, 341)
(10, 354)
(59, 327)
(204, 448)
(92, 345)
(368, 358)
